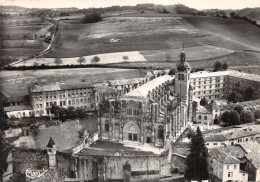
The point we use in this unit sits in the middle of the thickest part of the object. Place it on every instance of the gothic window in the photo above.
(160, 132)
(107, 126)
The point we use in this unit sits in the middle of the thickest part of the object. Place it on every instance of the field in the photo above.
(15, 40)
(135, 33)
(158, 37)
(15, 83)
(235, 30)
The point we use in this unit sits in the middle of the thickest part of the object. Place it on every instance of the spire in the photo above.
(50, 143)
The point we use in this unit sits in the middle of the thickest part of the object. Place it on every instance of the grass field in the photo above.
(15, 40)
(135, 33)
(15, 82)
(235, 30)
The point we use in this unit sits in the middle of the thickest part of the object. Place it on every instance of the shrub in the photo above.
(246, 116)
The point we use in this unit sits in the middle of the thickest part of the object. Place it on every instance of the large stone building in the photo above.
(153, 113)
(43, 96)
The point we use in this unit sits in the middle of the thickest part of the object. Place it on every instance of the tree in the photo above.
(238, 108)
(95, 59)
(234, 118)
(257, 114)
(172, 72)
(92, 17)
(4, 151)
(81, 60)
(35, 64)
(125, 58)
(224, 117)
(55, 110)
(197, 159)
(247, 116)
(203, 101)
(249, 93)
(217, 66)
(224, 66)
(168, 57)
(235, 97)
(58, 61)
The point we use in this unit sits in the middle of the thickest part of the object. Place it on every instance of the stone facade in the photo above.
(149, 114)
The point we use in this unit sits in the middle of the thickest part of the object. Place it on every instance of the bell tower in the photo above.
(182, 78)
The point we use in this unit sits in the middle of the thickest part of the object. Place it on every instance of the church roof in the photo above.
(182, 66)
(143, 90)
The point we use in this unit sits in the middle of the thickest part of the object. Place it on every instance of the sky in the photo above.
(197, 4)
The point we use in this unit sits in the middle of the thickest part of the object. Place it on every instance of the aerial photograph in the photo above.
(129, 91)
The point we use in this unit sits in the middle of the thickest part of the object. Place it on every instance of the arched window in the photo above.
(107, 126)
(160, 132)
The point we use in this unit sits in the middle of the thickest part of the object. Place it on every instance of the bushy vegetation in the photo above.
(218, 66)
(68, 113)
(239, 115)
(241, 93)
(92, 17)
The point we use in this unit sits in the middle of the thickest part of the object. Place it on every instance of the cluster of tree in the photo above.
(92, 17)
(218, 66)
(68, 113)
(240, 94)
(203, 101)
(235, 15)
(239, 115)
(197, 159)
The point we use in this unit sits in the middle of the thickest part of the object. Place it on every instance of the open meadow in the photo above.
(15, 83)
(158, 37)
(236, 31)
(15, 42)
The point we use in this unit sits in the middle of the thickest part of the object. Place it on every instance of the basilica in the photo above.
(154, 113)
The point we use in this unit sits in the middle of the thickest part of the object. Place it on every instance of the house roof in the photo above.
(56, 86)
(127, 81)
(223, 157)
(252, 150)
(105, 89)
(143, 90)
(234, 150)
(18, 108)
(232, 133)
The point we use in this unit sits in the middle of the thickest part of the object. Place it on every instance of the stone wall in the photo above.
(179, 162)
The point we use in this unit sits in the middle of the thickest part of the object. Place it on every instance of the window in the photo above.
(230, 174)
(107, 126)
(215, 143)
(47, 104)
(199, 116)
(148, 140)
(235, 166)
(205, 118)
(160, 132)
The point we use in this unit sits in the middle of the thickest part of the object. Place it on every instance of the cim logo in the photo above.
(34, 173)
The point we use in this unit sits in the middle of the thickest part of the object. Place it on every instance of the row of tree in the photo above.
(241, 93)
(68, 113)
(239, 115)
(218, 66)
